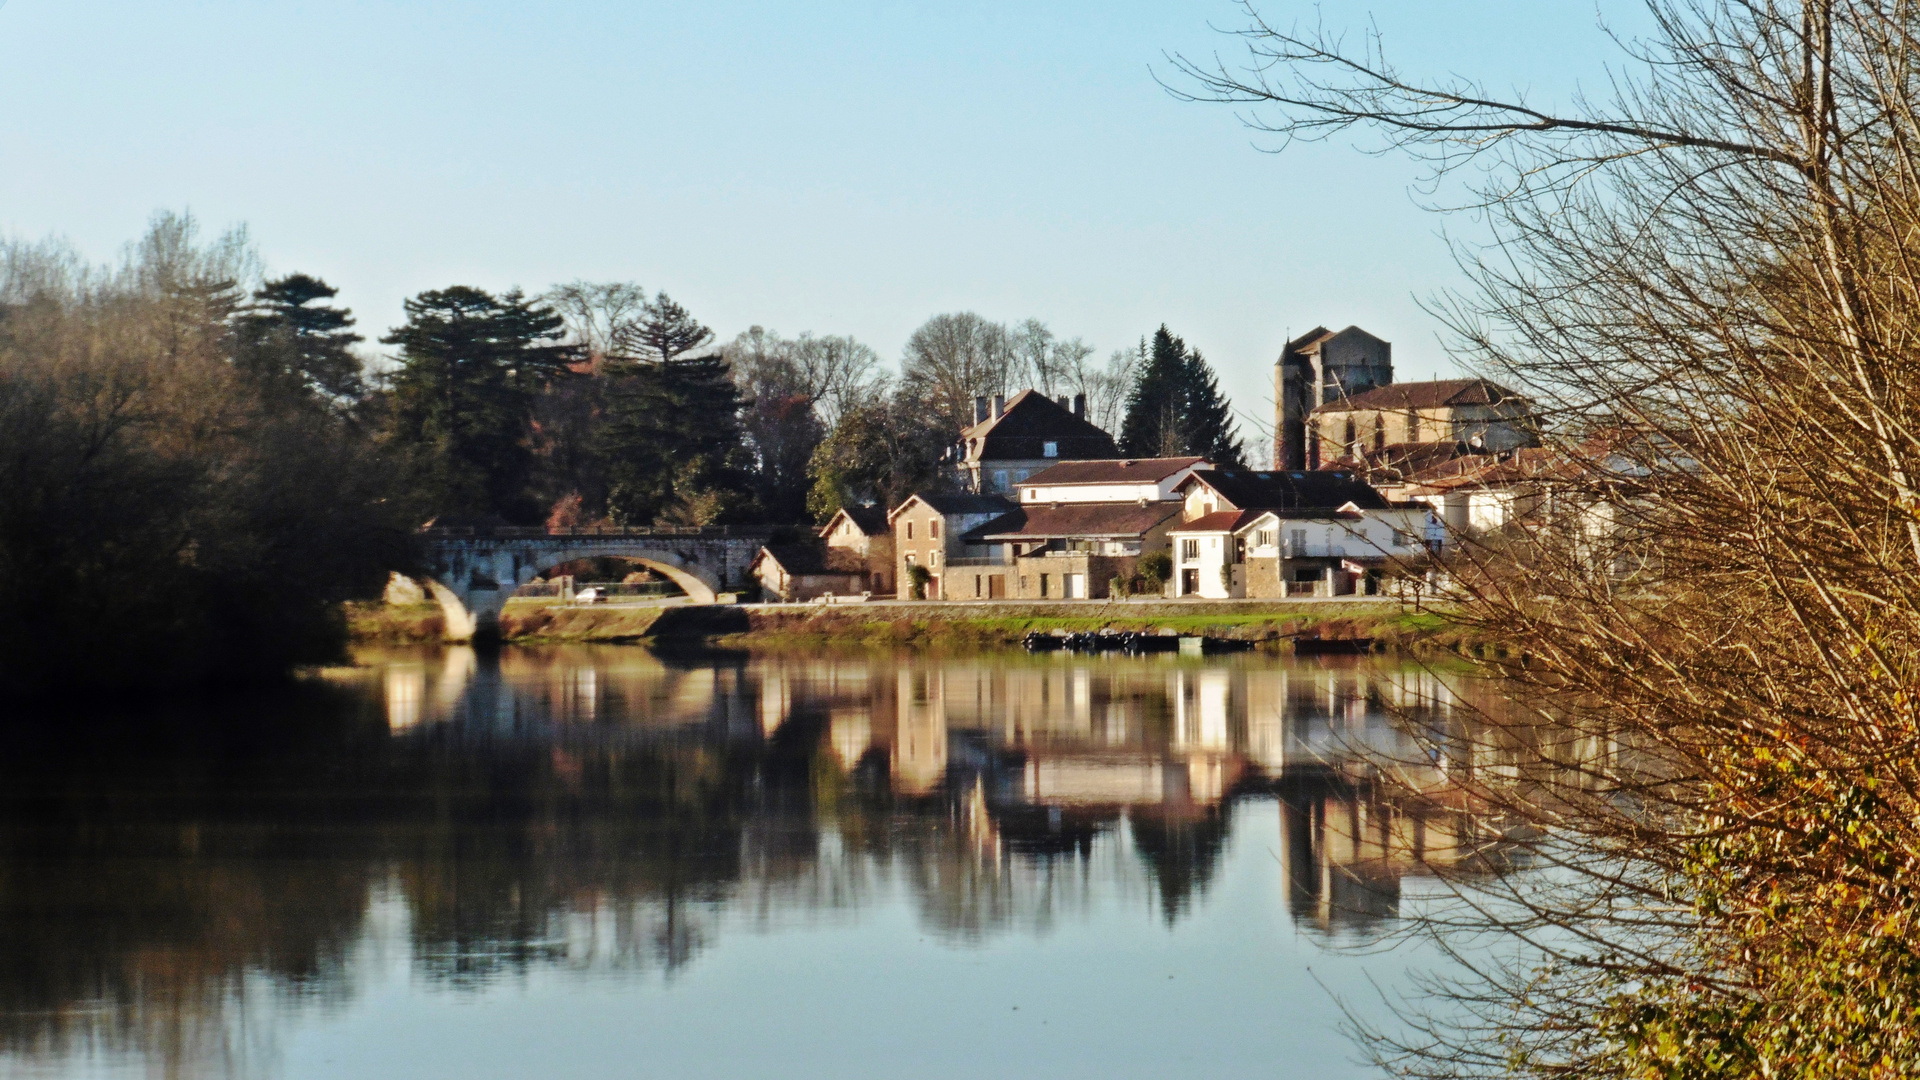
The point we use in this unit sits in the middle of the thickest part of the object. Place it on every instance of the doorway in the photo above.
(1189, 582)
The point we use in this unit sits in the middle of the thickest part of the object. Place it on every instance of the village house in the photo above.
(1464, 416)
(795, 572)
(1011, 440)
(1262, 534)
(1126, 480)
(1064, 551)
(1079, 526)
(929, 531)
(864, 531)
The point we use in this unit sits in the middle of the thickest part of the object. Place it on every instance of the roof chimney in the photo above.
(1080, 406)
(999, 405)
(1061, 401)
(980, 409)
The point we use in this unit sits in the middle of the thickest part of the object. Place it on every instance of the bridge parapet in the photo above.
(477, 569)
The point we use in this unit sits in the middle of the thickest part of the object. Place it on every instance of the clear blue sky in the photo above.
(844, 168)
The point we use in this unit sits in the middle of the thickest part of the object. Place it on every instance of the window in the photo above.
(1401, 539)
(1043, 586)
(1189, 550)
(1299, 539)
(1348, 441)
(976, 586)
(909, 558)
(909, 530)
(999, 479)
(1051, 449)
(1379, 431)
(1264, 538)
(933, 530)
(1413, 427)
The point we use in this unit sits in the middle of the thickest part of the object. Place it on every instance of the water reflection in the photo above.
(605, 810)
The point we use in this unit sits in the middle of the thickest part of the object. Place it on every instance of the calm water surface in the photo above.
(582, 861)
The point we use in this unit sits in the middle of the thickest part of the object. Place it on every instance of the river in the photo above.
(596, 861)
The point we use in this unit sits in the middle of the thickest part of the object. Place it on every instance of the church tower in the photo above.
(1316, 368)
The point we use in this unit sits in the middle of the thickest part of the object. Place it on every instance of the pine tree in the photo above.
(1175, 407)
(1206, 420)
(292, 344)
(1152, 425)
(672, 437)
(471, 364)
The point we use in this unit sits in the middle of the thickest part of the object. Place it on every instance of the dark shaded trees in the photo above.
(882, 451)
(672, 439)
(292, 343)
(164, 519)
(1175, 407)
(471, 365)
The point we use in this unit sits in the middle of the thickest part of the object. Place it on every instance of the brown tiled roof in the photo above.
(1424, 395)
(1124, 471)
(1052, 521)
(813, 559)
(869, 519)
(1029, 422)
(957, 503)
(1218, 521)
(1251, 489)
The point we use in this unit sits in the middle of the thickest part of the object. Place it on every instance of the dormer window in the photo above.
(1051, 449)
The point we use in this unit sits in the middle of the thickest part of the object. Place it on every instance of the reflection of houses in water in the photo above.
(1344, 850)
(920, 743)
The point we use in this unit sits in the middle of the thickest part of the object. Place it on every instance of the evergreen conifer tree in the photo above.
(1176, 409)
(471, 364)
(294, 345)
(672, 438)
(1206, 420)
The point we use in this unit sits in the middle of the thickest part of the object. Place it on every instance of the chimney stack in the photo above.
(1061, 401)
(1080, 406)
(999, 405)
(980, 409)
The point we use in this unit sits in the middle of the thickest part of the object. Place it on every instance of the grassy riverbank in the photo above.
(929, 625)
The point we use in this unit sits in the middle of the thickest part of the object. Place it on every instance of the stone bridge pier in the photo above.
(476, 570)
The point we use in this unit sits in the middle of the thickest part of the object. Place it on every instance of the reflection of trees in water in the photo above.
(604, 810)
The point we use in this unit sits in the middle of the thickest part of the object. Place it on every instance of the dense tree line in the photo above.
(199, 459)
(185, 475)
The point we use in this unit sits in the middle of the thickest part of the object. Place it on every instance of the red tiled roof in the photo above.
(1125, 471)
(1047, 521)
(1218, 521)
(1424, 395)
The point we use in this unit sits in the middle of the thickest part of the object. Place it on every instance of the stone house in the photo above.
(1063, 551)
(864, 531)
(1467, 416)
(1011, 440)
(792, 572)
(928, 531)
(1269, 534)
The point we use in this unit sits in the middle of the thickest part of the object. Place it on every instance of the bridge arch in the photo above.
(477, 572)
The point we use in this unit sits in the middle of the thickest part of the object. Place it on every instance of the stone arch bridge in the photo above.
(476, 570)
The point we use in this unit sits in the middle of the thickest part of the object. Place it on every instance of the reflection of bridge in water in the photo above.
(1048, 753)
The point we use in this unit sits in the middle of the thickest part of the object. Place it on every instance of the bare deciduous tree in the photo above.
(1708, 280)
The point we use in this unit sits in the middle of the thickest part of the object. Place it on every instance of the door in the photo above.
(1189, 582)
(996, 586)
(1076, 586)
